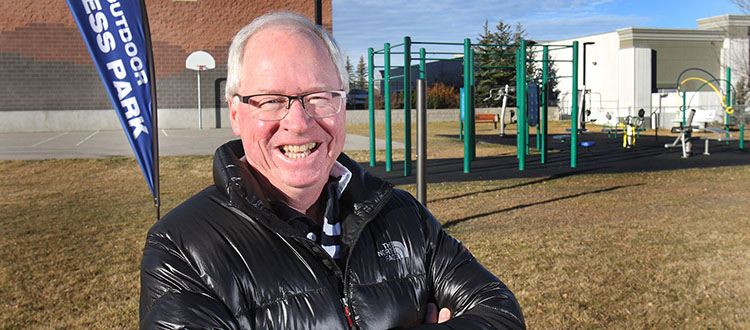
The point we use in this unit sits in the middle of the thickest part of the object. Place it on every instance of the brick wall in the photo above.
(44, 64)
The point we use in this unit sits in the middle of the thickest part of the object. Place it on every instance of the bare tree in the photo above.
(743, 5)
(742, 60)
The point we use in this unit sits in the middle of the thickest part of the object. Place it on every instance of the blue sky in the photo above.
(359, 24)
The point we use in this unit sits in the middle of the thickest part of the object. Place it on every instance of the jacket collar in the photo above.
(363, 197)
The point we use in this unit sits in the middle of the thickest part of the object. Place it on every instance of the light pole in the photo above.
(319, 12)
(583, 96)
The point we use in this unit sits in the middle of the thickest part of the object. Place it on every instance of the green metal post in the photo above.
(468, 121)
(684, 107)
(538, 126)
(742, 136)
(728, 101)
(472, 96)
(371, 102)
(422, 63)
(520, 109)
(387, 98)
(524, 95)
(407, 106)
(519, 154)
(543, 121)
(518, 123)
(574, 110)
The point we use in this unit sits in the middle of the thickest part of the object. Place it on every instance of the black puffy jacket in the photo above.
(222, 259)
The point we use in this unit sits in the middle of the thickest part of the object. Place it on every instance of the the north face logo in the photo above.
(392, 251)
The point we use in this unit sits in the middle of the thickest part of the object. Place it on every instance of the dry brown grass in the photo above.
(645, 250)
(613, 251)
(72, 235)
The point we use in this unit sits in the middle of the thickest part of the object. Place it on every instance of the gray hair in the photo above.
(236, 50)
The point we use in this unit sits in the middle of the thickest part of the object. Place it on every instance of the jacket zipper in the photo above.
(344, 301)
(347, 313)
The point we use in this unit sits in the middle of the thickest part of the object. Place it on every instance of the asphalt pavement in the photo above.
(109, 143)
(606, 156)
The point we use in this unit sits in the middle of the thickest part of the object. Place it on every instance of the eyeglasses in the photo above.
(273, 107)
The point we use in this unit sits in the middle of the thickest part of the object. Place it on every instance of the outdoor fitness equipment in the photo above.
(686, 127)
(631, 126)
(467, 57)
(502, 93)
(408, 57)
(533, 99)
(542, 127)
(686, 131)
(726, 100)
(685, 138)
(728, 108)
(611, 129)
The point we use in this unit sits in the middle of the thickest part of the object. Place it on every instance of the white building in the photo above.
(637, 68)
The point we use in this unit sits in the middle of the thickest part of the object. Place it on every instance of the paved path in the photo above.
(96, 144)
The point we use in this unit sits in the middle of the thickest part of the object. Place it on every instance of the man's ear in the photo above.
(234, 114)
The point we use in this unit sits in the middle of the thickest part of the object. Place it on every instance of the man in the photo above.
(294, 234)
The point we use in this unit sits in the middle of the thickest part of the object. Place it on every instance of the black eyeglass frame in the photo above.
(300, 98)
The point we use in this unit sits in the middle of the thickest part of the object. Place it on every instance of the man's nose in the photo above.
(295, 98)
(296, 118)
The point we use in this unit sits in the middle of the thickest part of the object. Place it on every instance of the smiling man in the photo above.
(295, 235)
(291, 142)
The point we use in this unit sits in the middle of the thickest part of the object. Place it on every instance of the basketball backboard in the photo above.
(199, 61)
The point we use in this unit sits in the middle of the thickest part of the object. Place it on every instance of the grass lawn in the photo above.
(665, 249)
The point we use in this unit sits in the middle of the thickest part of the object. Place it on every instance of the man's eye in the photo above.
(319, 98)
(270, 102)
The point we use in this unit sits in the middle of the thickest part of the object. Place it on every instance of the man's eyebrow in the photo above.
(313, 89)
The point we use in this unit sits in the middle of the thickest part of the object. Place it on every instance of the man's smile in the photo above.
(298, 151)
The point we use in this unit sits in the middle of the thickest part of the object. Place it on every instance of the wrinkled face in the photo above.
(298, 151)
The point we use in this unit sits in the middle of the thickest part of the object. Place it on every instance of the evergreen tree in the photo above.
(350, 71)
(504, 40)
(485, 78)
(554, 92)
(553, 95)
(361, 74)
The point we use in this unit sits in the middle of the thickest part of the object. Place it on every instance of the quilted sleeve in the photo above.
(172, 294)
(477, 299)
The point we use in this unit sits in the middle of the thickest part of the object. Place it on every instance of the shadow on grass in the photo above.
(607, 156)
(452, 223)
(528, 183)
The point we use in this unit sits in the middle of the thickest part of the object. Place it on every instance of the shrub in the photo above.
(439, 96)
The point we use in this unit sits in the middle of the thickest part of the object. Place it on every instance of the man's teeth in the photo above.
(298, 151)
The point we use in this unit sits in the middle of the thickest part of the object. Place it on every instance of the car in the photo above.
(357, 99)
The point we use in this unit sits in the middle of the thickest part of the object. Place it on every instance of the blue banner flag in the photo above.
(114, 33)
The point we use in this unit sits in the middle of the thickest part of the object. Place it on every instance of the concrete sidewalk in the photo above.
(108, 143)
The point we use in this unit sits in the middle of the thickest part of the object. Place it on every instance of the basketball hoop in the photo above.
(200, 61)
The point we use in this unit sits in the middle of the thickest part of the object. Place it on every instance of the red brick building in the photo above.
(45, 66)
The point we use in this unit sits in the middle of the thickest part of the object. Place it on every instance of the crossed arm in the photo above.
(469, 295)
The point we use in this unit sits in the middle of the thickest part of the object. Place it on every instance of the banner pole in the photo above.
(154, 109)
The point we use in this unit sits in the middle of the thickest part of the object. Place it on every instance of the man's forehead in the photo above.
(273, 52)
(277, 42)
(278, 33)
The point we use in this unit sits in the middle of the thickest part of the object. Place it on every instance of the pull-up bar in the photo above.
(468, 101)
